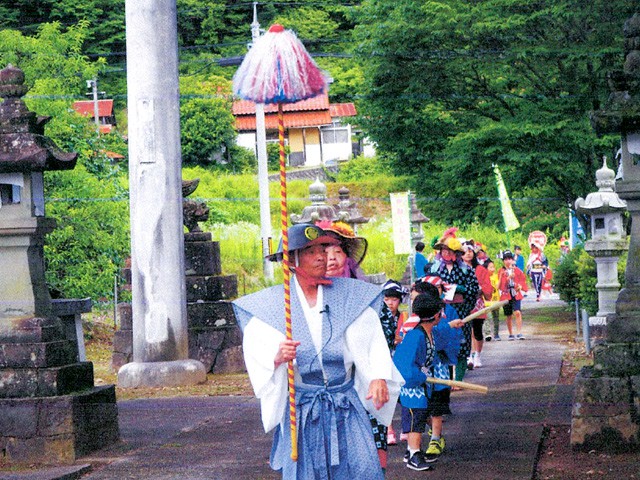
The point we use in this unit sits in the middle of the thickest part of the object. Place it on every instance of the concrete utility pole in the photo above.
(263, 174)
(93, 84)
(160, 339)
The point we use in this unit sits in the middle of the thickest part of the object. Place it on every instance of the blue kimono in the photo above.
(414, 352)
(335, 440)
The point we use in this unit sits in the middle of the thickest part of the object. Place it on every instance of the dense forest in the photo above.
(444, 88)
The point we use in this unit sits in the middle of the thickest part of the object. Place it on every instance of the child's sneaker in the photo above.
(418, 462)
(520, 336)
(477, 363)
(497, 338)
(441, 442)
(433, 452)
(512, 337)
(470, 361)
(407, 454)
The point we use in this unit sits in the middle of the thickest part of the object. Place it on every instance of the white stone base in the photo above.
(161, 374)
(598, 321)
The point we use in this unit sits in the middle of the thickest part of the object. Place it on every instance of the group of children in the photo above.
(427, 349)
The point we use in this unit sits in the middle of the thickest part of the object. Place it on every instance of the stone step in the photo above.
(38, 355)
(45, 382)
(31, 330)
(58, 430)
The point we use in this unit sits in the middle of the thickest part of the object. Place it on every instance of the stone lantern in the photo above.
(417, 218)
(348, 210)
(50, 410)
(319, 210)
(608, 240)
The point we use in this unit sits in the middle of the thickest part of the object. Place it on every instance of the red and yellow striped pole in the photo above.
(287, 283)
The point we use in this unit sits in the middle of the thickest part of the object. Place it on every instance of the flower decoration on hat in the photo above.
(355, 247)
(449, 240)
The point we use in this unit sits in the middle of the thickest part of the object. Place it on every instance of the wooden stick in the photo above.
(456, 383)
(484, 310)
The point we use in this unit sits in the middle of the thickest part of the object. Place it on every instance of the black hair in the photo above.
(428, 304)
(425, 287)
(420, 246)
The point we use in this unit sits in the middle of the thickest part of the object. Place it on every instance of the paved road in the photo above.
(489, 437)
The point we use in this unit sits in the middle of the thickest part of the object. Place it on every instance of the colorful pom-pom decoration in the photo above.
(278, 69)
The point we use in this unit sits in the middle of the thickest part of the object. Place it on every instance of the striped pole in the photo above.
(287, 283)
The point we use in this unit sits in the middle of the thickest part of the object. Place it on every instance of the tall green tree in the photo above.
(453, 86)
(207, 126)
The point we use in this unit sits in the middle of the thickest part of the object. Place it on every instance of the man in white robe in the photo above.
(342, 365)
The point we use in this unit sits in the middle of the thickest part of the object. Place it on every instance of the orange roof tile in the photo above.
(85, 107)
(291, 120)
(342, 110)
(246, 107)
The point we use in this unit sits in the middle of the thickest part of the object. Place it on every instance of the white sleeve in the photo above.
(368, 350)
(260, 344)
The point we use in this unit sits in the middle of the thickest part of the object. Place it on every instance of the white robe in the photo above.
(364, 346)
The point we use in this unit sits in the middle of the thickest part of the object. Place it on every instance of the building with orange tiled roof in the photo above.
(106, 115)
(315, 130)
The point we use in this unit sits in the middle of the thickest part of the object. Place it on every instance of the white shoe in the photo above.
(477, 363)
(471, 361)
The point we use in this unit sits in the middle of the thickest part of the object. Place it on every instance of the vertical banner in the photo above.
(576, 232)
(400, 218)
(510, 220)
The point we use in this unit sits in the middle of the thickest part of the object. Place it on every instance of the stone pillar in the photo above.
(160, 344)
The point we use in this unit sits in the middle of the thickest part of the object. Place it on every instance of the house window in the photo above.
(335, 134)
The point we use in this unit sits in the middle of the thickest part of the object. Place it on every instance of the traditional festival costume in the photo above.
(465, 278)
(536, 268)
(342, 350)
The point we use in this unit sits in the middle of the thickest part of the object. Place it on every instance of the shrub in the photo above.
(91, 240)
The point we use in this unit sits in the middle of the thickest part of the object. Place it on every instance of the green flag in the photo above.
(510, 220)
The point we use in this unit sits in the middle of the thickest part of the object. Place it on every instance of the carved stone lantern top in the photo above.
(605, 200)
(319, 210)
(349, 209)
(23, 146)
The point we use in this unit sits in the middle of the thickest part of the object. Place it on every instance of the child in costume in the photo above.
(537, 266)
(512, 282)
(461, 287)
(495, 297)
(391, 319)
(417, 358)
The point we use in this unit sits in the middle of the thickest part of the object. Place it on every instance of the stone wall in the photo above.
(214, 336)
